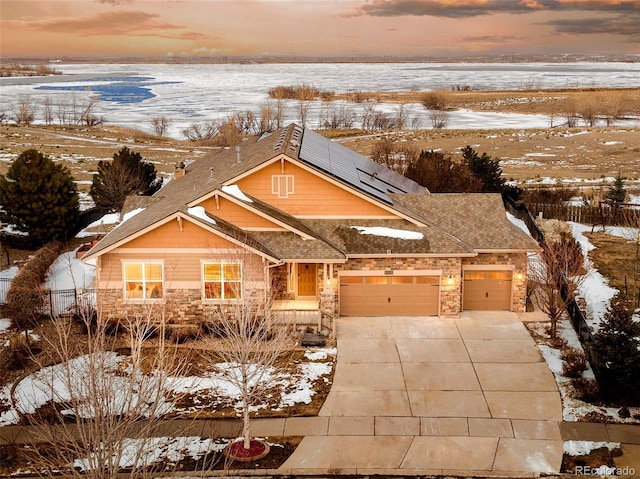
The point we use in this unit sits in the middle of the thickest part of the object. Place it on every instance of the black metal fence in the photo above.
(5, 284)
(576, 315)
(59, 302)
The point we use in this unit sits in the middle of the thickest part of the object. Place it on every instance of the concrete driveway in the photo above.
(437, 395)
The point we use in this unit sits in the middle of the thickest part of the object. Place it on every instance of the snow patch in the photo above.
(5, 324)
(199, 212)
(235, 191)
(389, 232)
(582, 448)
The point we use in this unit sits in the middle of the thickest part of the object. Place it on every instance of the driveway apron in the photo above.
(437, 395)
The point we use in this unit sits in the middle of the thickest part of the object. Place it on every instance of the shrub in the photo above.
(554, 196)
(574, 362)
(25, 298)
(181, 333)
(436, 100)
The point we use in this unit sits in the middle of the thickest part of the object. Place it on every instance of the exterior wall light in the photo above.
(519, 276)
(451, 280)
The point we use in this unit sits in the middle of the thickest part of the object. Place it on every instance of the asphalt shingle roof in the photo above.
(454, 224)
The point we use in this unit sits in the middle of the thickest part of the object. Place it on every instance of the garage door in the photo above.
(389, 295)
(487, 290)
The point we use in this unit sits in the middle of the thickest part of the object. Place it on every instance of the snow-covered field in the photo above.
(201, 92)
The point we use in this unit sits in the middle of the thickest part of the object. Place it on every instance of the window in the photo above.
(222, 280)
(143, 281)
(282, 185)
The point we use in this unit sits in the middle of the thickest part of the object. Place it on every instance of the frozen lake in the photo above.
(133, 94)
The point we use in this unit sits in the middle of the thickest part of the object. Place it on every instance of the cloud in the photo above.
(115, 2)
(474, 8)
(491, 38)
(114, 23)
(628, 25)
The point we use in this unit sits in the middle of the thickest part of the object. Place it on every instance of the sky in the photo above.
(316, 28)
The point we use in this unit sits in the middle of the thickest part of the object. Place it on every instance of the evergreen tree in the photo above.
(125, 175)
(617, 193)
(39, 198)
(440, 174)
(616, 348)
(486, 169)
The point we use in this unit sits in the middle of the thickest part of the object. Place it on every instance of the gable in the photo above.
(306, 194)
(238, 215)
(175, 234)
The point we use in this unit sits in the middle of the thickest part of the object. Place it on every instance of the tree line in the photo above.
(39, 197)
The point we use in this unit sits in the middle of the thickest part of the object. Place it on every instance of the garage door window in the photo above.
(475, 275)
(500, 275)
(376, 280)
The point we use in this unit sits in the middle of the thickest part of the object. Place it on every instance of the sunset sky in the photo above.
(213, 28)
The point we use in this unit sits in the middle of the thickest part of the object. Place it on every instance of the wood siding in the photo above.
(181, 270)
(312, 195)
(237, 215)
(170, 235)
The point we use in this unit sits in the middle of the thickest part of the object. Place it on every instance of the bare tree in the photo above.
(86, 116)
(383, 151)
(368, 113)
(105, 408)
(556, 273)
(401, 116)
(439, 119)
(47, 111)
(587, 109)
(303, 106)
(160, 125)
(24, 111)
(612, 105)
(202, 131)
(251, 338)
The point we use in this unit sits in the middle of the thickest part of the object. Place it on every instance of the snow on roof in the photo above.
(389, 232)
(130, 215)
(108, 219)
(199, 212)
(235, 191)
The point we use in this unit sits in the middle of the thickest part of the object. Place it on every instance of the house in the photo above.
(321, 227)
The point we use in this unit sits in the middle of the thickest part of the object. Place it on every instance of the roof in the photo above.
(466, 216)
(442, 224)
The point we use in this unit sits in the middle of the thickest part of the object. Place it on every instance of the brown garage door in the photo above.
(389, 295)
(487, 290)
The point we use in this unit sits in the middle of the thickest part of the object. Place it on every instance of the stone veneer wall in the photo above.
(519, 262)
(180, 306)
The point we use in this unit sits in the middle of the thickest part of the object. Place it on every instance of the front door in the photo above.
(307, 279)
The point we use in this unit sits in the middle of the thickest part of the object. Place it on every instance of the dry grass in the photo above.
(614, 258)
(544, 102)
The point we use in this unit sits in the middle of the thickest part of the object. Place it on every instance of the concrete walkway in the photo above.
(439, 395)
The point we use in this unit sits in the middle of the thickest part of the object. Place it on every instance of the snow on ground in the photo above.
(573, 409)
(9, 273)
(143, 452)
(210, 391)
(68, 272)
(582, 448)
(594, 288)
(5, 324)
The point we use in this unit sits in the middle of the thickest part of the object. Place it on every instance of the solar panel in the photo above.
(353, 168)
